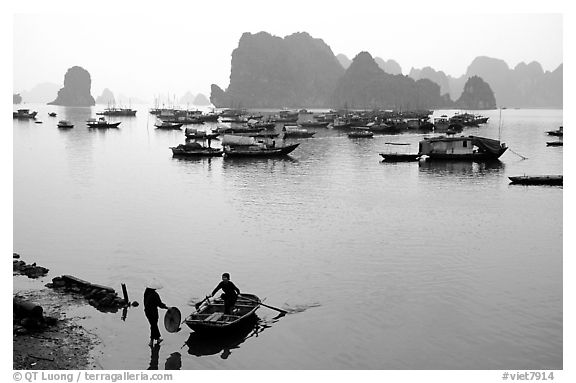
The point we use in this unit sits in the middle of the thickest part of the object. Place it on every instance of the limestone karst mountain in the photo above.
(76, 90)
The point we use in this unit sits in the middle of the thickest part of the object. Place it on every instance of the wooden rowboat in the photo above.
(211, 318)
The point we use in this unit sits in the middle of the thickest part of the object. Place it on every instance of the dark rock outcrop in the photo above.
(476, 95)
(41, 93)
(270, 71)
(107, 97)
(201, 100)
(16, 98)
(76, 90)
(390, 66)
(366, 85)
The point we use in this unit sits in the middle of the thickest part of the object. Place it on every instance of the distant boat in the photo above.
(555, 143)
(168, 125)
(24, 114)
(125, 112)
(314, 124)
(360, 133)
(38, 122)
(537, 180)
(52, 114)
(242, 146)
(194, 149)
(461, 148)
(199, 134)
(101, 123)
(443, 124)
(65, 124)
(559, 132)
(293, 132)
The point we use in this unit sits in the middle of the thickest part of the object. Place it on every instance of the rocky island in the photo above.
(76, 90)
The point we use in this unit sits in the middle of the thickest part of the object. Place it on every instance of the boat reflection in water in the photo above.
(443, 168)
(201, 344)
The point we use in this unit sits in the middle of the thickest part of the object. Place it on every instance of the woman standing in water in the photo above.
(151, 303)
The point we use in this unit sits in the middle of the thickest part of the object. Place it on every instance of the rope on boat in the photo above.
(520, 155)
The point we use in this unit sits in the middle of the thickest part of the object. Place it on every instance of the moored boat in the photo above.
(168, 125)
(294, 132)
(65, 124)
(242, 146)
(199, 134)
(194, 149)
(101, 123)
(211, 318)
(537, 180)
(461, 148)
(52, 114)
(360, 133)
(123, 112)
(558, 132)
(314, 124)
(24, 114)
(398, 155)
(555, 143)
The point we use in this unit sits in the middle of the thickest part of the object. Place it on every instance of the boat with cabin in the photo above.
(210, 317)
(461, 148)
(242, 146)
(65, 124)
(196, 134)
(24, 114)
(101, 123)
(118, 112)
(195, 149)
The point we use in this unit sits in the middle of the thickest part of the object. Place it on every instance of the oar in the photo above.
(270, 307)
(198, 304)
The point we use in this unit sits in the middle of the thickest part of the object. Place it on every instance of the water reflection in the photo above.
(174, 362)
(441, 168)
(154, 355)
(256, 162)
(207, 344)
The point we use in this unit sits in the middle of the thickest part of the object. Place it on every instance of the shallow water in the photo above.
(382, 266)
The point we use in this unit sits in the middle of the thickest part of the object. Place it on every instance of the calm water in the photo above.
(382, 266)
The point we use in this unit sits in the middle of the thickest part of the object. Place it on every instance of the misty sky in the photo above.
(143, 53)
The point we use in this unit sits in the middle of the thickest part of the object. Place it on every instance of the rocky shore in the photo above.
(58, 344)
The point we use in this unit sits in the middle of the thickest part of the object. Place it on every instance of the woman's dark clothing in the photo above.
(230, 294)
(151, 303)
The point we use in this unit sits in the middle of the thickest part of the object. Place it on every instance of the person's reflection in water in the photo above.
(174, 361)
(154, 355)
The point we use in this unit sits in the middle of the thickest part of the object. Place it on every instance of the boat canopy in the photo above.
(484, 144)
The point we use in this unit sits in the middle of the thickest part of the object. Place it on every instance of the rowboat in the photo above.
(211, 318)
(538, 180)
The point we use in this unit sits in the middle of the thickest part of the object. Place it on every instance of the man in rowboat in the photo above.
(230, 290)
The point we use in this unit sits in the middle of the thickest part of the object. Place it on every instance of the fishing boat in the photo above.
(168, 125)
(263, 150)
(101, 123)
(196, 134)
(65, 124)
(555, 143)
(194, 149)
(537, 180)
(52, 114)
(361, 133)
(294, 132)
(124, 112)
(314, 124)
(461, 148)
(558, 132)
(398, 155)
(210, 316)
(24, 114)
